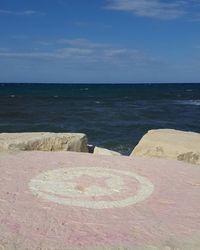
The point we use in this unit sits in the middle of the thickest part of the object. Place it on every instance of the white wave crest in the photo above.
(189, 102)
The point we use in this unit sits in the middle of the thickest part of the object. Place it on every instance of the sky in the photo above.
(100, 41)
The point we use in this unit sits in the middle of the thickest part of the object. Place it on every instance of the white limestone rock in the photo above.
(170, 144)
(103, 151)
(43, 142)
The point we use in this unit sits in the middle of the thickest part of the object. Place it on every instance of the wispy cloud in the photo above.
(82, 42)
(6, 12)
(44, 43)
(4, 49)
(159, 9)
(57, 54)
(87, 52)
(20, 13)
(83, 24)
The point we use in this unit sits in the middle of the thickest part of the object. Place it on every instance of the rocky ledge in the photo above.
(170, 144)
(104, 151)
(160, 143)
(50, 142)
(43, 142)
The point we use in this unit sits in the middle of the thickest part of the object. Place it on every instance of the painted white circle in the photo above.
(70, 187)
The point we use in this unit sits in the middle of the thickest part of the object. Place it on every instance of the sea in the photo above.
(114, 116)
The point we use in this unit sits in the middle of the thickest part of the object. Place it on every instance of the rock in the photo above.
(79, 201)
(91, 148)
(43, 142)
(103, 151)
(170, 144)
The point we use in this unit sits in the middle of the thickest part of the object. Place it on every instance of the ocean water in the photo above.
(113, 116)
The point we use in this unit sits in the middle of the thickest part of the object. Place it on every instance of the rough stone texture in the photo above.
(43, 142)
(76, 201)
(103, 151)
(170, 144)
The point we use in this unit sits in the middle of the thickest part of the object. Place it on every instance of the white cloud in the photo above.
(5, 12)
(151, 8)
(44, 43)
(20, 13)
(86, 52)
(27, 12)
(4, 49)
(82, 42)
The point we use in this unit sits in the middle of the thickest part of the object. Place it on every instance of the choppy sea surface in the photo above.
(114, 116)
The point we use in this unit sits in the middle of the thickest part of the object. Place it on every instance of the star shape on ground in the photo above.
(86, 181)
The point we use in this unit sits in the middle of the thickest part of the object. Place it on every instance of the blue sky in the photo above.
(99, 41)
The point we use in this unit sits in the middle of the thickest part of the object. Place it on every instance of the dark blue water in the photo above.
(113, 116)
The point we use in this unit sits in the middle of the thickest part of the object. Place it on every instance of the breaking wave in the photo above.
(189, 102)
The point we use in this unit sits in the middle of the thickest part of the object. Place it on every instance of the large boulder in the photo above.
(104, 151)
(171, 144)
(43, 142)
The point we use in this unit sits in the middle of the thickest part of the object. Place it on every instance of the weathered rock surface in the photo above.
(79, 201)
(103, 151)
(170, 144)
(43, 142)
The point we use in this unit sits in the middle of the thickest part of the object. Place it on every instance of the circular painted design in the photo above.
(70, 187)
(47, 201)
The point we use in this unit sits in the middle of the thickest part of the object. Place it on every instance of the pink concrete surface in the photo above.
(168, 216)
